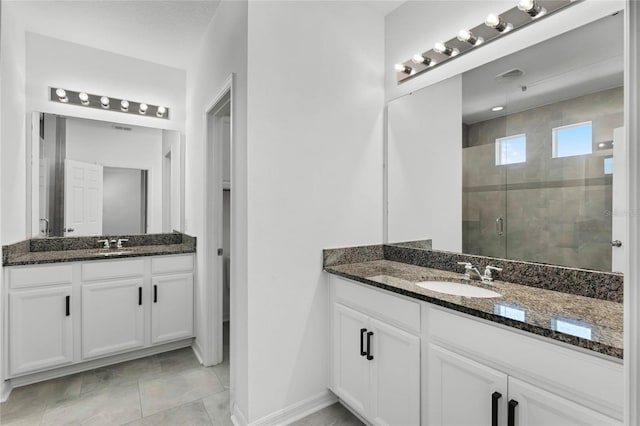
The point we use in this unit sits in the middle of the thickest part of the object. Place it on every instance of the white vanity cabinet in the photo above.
(172, 298)
(481, 374)
(40, 333)
(67, 314)
(375, 357)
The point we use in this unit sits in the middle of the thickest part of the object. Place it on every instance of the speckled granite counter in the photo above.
(57, 250)
(595, 324)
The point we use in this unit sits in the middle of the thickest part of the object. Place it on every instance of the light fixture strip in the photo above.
(515, 18)
(87, 100)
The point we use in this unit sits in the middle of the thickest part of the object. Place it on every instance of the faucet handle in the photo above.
(120, 241)
(467, 265)
(104, 242)
(488, 269)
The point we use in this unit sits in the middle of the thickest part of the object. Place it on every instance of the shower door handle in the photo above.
(500, 226)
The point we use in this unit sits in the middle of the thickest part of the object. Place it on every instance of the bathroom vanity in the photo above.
(73, 307)
(402, 354)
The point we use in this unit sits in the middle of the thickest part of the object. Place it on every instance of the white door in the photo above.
(112, 317)
(171, 307)
(463, 392)
(394, 375)
(350, 366)
(619, 200)
(537, 407)
(40, 329)
(82, 198)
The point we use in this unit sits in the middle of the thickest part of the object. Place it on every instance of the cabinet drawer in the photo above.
(164, 264)
(39, 275)
(381, 304)
(587, 379)
(109, 269)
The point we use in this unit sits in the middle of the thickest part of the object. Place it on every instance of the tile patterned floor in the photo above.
(166, 389)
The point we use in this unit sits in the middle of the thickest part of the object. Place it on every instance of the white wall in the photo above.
(223, 51)
(57, 63)
(424, 166)
(315, 122)
(415, 26)
(139, 148)
(13, 128)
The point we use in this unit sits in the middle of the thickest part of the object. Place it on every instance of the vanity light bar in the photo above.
(88, 100)
(495, 26)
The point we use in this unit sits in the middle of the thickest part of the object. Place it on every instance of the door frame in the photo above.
(212, 269)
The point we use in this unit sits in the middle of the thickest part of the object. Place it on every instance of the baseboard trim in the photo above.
(237, 417)
(96, 363)
(5, 390)
(297, 410)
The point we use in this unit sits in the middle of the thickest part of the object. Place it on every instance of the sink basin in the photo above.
(457, 289)
(115, 253)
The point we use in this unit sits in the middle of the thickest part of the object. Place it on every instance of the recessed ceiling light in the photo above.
(497, 108)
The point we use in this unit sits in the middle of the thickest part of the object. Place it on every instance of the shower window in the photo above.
(511, 150)
(572, 140)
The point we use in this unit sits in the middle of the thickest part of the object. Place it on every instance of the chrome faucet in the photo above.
(120, 241)
(485, 278)
(105, 244)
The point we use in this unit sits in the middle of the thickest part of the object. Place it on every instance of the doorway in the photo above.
(218, 309)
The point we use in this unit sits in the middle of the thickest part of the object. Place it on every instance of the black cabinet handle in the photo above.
(494, 408)
(155, 294)
(369, 356)
(67, 302)
(511, 415)
(139, 296)
(362, 351)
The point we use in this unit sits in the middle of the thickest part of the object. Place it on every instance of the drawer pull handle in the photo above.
(511, 415)
(139, 296)
(369, 356)
(494, 408)
(67, 302)
(362, 351)
(155, 294)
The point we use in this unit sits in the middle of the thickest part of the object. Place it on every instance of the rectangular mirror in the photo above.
(102, 178)
(516, 159)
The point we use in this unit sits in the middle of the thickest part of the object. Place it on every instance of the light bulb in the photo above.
(62, 95)
(420, 59)
(104, 101)
(469, 37)
(161, 111)
(526, 5)
(143, 108)
(440, 47)
(84, 98)
(497, 23)
(531, 8)
(403, 68)
(124, 105)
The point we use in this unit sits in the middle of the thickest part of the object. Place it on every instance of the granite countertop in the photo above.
(586, 322)
(58, 250)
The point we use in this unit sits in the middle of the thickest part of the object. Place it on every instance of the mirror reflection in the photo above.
(102, 178)
(541, 129)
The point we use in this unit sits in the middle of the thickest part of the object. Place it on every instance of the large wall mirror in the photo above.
(102, 178)
(518, 158)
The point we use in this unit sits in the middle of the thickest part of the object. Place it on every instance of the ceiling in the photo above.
(164, 32)
(585, 60)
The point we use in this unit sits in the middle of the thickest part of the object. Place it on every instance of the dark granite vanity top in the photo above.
(587, 322)
(57, 250)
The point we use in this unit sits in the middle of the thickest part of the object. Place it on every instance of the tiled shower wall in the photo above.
(555, 210)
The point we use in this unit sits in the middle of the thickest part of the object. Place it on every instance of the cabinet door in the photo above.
(395, 376)
(350, 368)
(538, 407)
(112, 317)
(40, 329)
(460, 391)
(171, 307)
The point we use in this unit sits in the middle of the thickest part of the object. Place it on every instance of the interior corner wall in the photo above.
(315, 174)
(406, 34)
(13, 128)
(223, 50)
(57, 63)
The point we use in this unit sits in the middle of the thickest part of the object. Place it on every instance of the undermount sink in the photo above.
(115, 253)
(458, 289)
